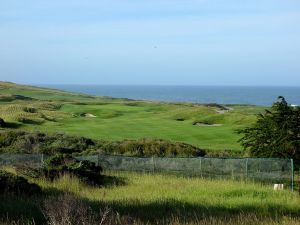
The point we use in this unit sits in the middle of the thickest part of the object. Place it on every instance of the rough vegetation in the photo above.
(26, 142)
(151, 147)
(13, 184)
(76, 211)
(2, 122)
(32, 112)
(12, 97)
(153, 199)
(60, 164)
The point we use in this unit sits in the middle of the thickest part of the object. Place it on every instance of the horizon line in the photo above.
(151, 85)
(169, 85)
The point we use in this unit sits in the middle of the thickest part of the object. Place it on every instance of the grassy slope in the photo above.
(121, 119)
(211, 195)
(183, 197)
(176, 197)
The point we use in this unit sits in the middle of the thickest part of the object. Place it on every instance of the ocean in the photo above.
(263, 96)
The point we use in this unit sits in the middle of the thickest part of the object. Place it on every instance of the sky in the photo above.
(157, 42)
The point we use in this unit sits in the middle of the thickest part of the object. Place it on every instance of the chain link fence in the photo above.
(271, 170)
(30, 160)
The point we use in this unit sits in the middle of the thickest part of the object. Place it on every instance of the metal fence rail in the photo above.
(262, 169)
(32, 160)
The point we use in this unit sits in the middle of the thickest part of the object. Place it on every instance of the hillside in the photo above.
(208, 126)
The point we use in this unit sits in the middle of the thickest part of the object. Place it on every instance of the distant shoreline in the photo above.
(225, 95)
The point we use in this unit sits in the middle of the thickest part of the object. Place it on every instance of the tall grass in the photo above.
(164, 199)
(148, 197)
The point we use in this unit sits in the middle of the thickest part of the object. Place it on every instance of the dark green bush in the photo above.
(2, 122)
(30, 110)
(61, 163)
(10, 98)
(13, 184)
(226, 154)
(24, 142)
(150, 147)
(30, 121)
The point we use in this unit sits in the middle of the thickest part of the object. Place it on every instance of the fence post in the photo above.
(42, 160)
(292, 167)
(247, 167)
(201, 166)
(153, 165)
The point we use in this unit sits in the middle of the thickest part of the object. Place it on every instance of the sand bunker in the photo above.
(206, 124)
(89, 115)
(222, 111)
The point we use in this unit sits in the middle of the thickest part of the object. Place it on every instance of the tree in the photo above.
(276, 132)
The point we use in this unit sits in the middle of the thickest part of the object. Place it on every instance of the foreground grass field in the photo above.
(165, 199)
(206, 126)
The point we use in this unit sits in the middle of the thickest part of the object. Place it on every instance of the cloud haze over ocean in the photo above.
(205, 42)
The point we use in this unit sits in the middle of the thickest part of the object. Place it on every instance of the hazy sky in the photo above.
(204, 42)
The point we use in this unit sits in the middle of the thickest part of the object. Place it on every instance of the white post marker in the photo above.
(278, 187)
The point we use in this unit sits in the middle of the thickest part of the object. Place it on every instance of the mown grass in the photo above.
(168, 199)
(117, 119)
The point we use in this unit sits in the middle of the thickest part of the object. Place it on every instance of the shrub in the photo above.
(2, 122)
(61, 163)
(10, 183)
(29, 109)
(24, 142)
(150, 147)
(29, 171)
(29, 120)
(227, 153)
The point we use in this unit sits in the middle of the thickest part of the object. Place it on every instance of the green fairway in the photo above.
(207, 127)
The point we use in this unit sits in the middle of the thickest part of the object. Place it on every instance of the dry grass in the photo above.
(75, 211)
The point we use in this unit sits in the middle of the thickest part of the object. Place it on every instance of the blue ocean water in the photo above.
(263, 96)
